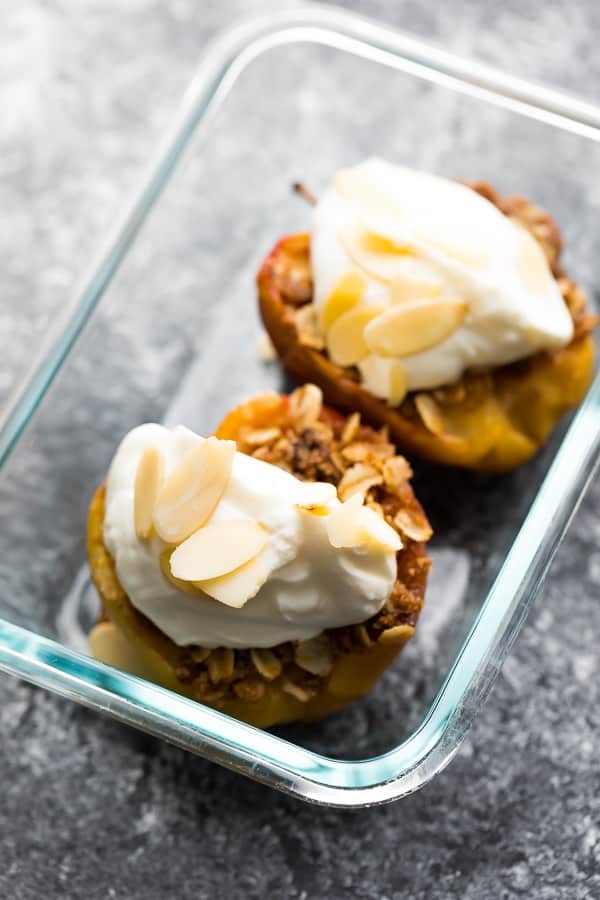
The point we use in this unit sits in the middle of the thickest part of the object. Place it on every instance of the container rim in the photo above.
(257, 754)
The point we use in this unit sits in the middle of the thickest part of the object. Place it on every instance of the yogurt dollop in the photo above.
(311, 585)
(420, 239)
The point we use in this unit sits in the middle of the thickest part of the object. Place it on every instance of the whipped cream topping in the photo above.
(441, 250)
(311, 584)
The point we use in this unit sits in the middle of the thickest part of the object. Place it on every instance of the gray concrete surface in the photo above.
(90, 809)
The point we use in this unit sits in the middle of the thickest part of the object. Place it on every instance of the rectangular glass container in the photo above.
(174, 338)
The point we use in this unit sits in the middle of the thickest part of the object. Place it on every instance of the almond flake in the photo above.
(260, 436)
(346, 294)
(306, 403)
(350, 429)
(430, 413)
(218, 549)
(190, 494)
(315, 494)
(346, 343)
(199, 654)
(353, 525)
(358, 479)
(315, 655)
(414, 326)
(265, 349)
(415, 529)
(398, 384)
(237, 587)
(308, 330)
(405, 288)
(294, 690)
(220, 664)
(266, 663)
(377, 256)
(396, 471)
(148, 480)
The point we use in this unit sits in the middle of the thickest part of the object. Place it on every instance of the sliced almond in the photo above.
(266, 663)
(353, 525)
(307, 327)
(398, 384)
(343, 527)
(237, 587)
(346, 294)
(430, 413)
(415, 529)
(414, 326)
(164, 561)
(346, 343)
(396, 471)
(350, 429)
(217, 549)
(294, 690)
(190, 494)
(199, 654)
(315, 655)
(358, 479)
(260, 436)
(532, 265)
(405, 288)
(315, 494)
(306, 403)
(148, 480)
(264, 348)
(220, 664)
(378, 532)
(377, 256)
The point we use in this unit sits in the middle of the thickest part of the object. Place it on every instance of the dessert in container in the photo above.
(170, 302)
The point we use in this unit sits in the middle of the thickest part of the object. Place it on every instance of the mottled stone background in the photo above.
(93, 810)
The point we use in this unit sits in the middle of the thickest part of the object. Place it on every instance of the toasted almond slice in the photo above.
(350, 429)
(164, 562)
(414, 326)
(343, 527)
(199, 654)
(376, 255)
(354, 525)
(264, 348)
(415, 529)
(398, 384)
(406, 288)
(396, 471)
(532, 265)
(313, 494)
(345, 340)
(430, 413)
(346, 294)
(306, 403)
(358, 479)
(148, 480)
(260, 436)
(266, 663)
(191, 493)
(315, 655)
(307, 326)
(237, 587)
(218, 549)
(377, 531)
(296, 691)
(220, 664)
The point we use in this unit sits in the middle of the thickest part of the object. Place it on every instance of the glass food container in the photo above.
(164, 327)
